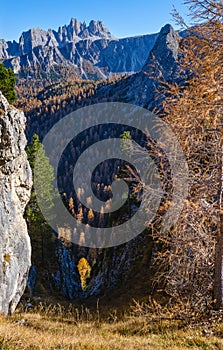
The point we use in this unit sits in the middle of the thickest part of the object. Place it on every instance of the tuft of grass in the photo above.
(4, 345)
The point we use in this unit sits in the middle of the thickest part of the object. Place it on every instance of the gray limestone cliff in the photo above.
(15, 187)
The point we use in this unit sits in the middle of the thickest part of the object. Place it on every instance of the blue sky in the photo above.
(122, 17)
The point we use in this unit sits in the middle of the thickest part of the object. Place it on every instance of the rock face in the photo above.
(161, 65)
(89, 51)
(67, 278)
(15, 187)
(122, 266)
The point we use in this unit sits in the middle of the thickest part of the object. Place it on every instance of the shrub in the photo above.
(7, 83)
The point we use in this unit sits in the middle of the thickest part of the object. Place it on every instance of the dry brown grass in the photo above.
(53, 327)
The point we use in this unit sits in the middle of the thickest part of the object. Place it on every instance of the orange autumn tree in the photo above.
(84, 270)
(191, 261)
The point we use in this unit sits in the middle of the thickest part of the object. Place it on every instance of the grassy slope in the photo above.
(52, 328)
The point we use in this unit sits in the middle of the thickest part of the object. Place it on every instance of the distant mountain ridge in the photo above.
(91, 51)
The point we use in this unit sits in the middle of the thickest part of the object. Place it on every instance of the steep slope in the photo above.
(15, 186)
(89, 51)
(161, 65)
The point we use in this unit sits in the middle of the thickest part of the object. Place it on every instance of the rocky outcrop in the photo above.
(15, 187)
(161, 65)
(122, 267)
(3, 49)
(67, 278)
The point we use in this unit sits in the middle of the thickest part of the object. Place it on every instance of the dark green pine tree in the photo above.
(43, 174)
(42, 237)
(7, 83)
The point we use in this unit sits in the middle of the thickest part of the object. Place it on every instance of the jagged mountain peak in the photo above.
(162, 64)
(98, 28)
(167, 28)
(164, 53)
(76, 30)
(167, 41)
(73, 29)
(36, 37)
(74, 22)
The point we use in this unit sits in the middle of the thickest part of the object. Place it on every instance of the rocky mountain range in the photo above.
(91, 51)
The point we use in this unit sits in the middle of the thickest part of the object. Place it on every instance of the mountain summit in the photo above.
(76, 31)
